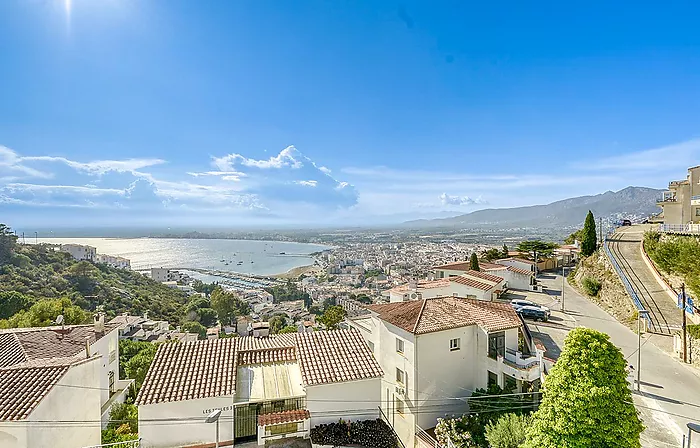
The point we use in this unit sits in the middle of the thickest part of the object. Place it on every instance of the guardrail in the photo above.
(427, 438)
(688, 229)
(625, 281)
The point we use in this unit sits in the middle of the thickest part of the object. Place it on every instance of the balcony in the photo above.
(695, 200)
(668, 196)
(525, 368)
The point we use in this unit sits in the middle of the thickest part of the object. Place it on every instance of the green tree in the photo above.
(474, 262)
(137, 367)
(196, 328)
(587, 400)
(575, 236)
(206, 317)
(277, 323)
(122, 425)
(490, 255)
(332, 316)
(8, 241)
(206, 288)
(127, 350)
(509, 431)
(589, 239)
(83, 275)
(228, 306)
(505, 251)
(44, 313)
(289, 329)
(12, 302)
(537, 249)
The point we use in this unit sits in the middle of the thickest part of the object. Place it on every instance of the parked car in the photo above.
(534, 313)
(519, 303)
(626, 222)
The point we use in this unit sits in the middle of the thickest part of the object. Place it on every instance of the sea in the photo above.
(242, 256)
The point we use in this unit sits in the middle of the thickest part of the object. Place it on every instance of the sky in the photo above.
(314, 113)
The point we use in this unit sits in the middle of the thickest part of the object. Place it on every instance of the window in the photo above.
(493, 379)
(399, 345)
(454, 344)
(697, 211)
(497, 344)
(399, 405)
(509, 383)
(110, 375)
(400, 376)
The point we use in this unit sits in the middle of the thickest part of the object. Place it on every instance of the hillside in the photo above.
(38, 272)
(635, 203)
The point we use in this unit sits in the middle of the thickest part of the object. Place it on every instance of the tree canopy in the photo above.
(536, 248)
(196, 328)
(277, 323)
(332, 316)
(474, 262)
(586, 400)
(589, 239)
(228, 305)
(44, 313)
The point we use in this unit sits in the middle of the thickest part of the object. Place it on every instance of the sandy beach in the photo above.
(293, 273)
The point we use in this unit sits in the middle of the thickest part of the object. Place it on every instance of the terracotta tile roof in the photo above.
(266, 356)
(483, 275)
(276, 341)
(190, 370)
(490, 266)
(520, 271)
(11, 351)
(278, 418)
(46, 342)
(444, 313)
(335, 356)
(468, 281)
(522, 260)
(456, 266)
(426, 284)
(21, 389)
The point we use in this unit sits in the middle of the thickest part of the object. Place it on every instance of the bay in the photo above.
(243, 256)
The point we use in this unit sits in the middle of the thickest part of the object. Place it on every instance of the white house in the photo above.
(434, 351)
(142, 328)
(114, 261)
(266, 388)
(511, 270)
(80, 251)
(475, 284)
(64, 348)
(165, 275)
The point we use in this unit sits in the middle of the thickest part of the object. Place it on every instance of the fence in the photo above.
(625, 282)
(686, 229)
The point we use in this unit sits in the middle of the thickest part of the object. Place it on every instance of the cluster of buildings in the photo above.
(81, 252)
(680, 204)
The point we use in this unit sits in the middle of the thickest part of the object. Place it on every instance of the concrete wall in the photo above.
(70, 404)
(352, 400)
(14, 434)
(108, 349)
(186, 425)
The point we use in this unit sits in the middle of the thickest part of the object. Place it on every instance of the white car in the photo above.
(519, 303)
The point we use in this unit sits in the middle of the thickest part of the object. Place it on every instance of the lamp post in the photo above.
(641, 313)
(214, 418)
(692, 427)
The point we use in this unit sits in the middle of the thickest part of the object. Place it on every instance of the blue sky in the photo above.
(230, 113)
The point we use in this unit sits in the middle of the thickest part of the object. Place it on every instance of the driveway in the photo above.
(670, 390)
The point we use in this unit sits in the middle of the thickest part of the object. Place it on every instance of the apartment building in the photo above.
(474, 284)
(681, 202)
(517, 273)
(142, 328)
(433, 351)
(266, 387)
(57, 374)
(165, 275)
(80, 251)
(113, 261)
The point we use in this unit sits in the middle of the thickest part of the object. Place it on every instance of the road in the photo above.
(670, 391)
(625, 245)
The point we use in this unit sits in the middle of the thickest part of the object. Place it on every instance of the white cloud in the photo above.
(99, 166)
(11, 164)
(289, 156)
(447, 199)
(306, 183)
(678, 156)
(225, 175)
(325, 170)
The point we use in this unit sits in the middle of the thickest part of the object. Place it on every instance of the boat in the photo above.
(282, 253)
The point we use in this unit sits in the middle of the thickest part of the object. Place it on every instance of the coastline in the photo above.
(297, 271)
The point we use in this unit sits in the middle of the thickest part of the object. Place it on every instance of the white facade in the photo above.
(352, 400)
(80, 252)
(445, 287)
(114, 261)
(165, 275)
(518, 263)
(75, 397)
(515, 279)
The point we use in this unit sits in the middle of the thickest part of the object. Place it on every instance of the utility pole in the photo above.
(600, 230)
(640, 315)
(563, 280)
(685, 337)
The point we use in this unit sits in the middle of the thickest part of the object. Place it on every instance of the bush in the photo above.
(366, 433)
(694, 331)
(591, 286)
(509, 431)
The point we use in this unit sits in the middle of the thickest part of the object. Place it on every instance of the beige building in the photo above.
(681, 202)
(472, 284)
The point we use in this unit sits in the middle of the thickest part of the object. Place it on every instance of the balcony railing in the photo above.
(128, 444)
(516, 360)
(685, 229)
(695, 200)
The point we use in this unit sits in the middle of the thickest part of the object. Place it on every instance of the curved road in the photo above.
(625, 245)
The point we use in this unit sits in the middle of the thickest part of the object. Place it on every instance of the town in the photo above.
(411, 344)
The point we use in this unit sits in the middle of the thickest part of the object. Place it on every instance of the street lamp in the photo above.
(641, 313)
(214, 418)
(692, 427)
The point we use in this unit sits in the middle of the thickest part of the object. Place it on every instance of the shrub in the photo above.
(509, 431)
(694, 331)
(366, 433)
(591, 286)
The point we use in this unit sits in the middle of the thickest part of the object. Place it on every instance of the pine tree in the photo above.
(589, 242)
(587, 401)
(505, 251)
(474, 262)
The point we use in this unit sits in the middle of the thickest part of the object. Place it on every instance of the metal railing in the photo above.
(424, 436)
(680, 228)
(128, 444)
(625, 281)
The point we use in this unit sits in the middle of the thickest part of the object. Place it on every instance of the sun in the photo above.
(67, 5)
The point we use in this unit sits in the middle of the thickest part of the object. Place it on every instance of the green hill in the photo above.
(38, 272)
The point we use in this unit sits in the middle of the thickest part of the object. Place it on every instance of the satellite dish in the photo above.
(59, 319)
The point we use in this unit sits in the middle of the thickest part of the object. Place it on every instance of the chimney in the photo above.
(99, 325)
(87, 348)
(145, 315)
(412, 285)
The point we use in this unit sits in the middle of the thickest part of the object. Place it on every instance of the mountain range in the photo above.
(634, 203)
